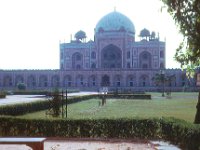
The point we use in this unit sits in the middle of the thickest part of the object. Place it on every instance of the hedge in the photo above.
(129, 96)
(23, 108)
(179, 132)
(2, 95)
(101, 128)
(182, 133)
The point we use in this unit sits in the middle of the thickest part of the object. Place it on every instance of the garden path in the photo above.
(16, 99)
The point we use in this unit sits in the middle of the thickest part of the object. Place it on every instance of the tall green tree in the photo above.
(186, 14)
(160, 79)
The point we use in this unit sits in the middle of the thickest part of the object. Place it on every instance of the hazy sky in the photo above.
(30, 30)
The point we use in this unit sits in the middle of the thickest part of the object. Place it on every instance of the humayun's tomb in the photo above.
(112, 59)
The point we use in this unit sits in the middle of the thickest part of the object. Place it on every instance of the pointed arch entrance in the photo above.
(145, 60)
(105, 80)
(111, 57)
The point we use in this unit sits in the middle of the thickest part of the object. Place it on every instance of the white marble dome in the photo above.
(115, 21)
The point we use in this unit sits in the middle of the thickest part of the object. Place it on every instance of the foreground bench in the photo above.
(34, 143)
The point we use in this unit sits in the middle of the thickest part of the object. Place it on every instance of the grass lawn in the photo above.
(181, 105)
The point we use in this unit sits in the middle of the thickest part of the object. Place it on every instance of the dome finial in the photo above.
(115, 9)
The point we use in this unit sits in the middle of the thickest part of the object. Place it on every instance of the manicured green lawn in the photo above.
(181, 105)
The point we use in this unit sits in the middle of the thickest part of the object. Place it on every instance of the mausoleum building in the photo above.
(113, 59)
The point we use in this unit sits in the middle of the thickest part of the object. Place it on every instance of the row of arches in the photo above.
(111, 57)
(77, 60)
(80, 80)
(77, 81)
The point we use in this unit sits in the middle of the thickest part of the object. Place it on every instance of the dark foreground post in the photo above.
(103, 96)
(197, 117)
(103, 99)
(66, 104)
(62, 99)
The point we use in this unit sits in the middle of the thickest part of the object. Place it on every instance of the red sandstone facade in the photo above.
(113, 59)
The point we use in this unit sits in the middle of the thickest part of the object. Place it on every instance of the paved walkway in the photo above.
(16, 99)
(85, 145)
(97, 145)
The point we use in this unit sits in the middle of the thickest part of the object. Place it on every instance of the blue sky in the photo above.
(30, 30)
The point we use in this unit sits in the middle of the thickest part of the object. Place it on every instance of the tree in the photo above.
(186, 14)
(21, 86)
(54, 103)
(161, 79)
(158, 79)
(169, 80)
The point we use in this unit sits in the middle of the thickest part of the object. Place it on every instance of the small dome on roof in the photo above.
(144, 33)
(80, 35)
(115, 21)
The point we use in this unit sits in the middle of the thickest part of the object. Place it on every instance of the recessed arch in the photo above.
(93, 55)
(131, 80)
(55, 81)
(77, 61)
(79, 80)
(111, 57)
(43, 81)
(162, 65)
(92, 80)
(145, 60)
(31, 81)
(144, 80)
(117, 80)
(19, 79)
(67, 81)
(7, 81)
(93, 66)
(105, 80)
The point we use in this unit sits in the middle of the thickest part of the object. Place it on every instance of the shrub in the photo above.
(2, 94)
(182, 133)
(55, 103)
(21, 86)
